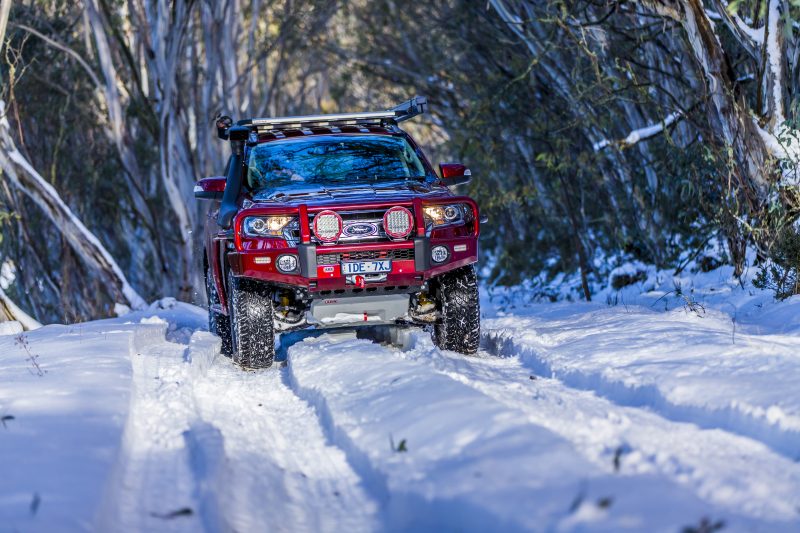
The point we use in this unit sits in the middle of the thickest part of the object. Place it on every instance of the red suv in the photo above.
(336, 220)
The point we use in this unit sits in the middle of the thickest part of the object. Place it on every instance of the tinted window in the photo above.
(333, 160)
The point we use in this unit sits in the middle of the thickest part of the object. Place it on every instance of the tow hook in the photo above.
(361, 281)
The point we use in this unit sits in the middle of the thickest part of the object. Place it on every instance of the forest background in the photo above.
(599, 132)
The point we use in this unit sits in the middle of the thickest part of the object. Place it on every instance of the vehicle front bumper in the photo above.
(320, 278)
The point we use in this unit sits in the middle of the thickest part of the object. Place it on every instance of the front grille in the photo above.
(362, 215)
(336, 258)
(370, 216)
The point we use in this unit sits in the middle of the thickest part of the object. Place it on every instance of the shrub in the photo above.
(781, 272)
(618, 281)
(708, 263)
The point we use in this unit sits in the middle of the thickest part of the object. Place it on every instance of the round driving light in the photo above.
(328, 226)
(397, 222)
(450, 212)
(257, 225)
(439, 254)
(287, 263)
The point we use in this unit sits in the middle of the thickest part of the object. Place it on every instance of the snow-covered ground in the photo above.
(675, 407)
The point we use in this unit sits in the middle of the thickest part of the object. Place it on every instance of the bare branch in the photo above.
(63, 48)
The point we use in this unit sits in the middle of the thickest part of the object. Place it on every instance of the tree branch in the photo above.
(640, 134)
(63, 48)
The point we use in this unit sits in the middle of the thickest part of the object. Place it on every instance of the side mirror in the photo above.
(210, 188)
(454, 173)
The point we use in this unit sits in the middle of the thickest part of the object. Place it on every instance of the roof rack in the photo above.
(406, 110)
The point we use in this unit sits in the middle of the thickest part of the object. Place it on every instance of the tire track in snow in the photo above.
(439, 489)
(729, 418)
(278, 472)
(153, 484)
(716, 465)
(477, 462)
(210, 447)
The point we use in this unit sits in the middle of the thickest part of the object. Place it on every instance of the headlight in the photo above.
(265, 226)
(440, 215)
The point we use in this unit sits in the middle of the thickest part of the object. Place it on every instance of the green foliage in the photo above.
(781, 272)
(5, 217)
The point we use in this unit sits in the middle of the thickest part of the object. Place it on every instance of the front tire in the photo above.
(251, 315)
(459, 326)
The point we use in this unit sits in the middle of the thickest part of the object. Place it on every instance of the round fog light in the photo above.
(287, 263)
(439, 254)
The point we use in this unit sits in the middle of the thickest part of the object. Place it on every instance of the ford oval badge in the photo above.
(361, 229)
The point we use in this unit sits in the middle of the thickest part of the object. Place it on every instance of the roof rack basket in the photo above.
(406, 110)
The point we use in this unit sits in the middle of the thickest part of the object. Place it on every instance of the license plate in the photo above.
(378, 266)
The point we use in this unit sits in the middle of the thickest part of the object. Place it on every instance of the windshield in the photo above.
(340, 160)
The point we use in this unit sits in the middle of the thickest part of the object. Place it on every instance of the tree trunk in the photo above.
(9, 311)
(86, 245)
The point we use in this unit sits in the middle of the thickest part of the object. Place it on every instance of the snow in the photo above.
(11, 327)
(8, 273)
(641, 133)
(67, 423)
(651, 410)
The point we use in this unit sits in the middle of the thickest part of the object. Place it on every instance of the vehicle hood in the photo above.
(333, 194)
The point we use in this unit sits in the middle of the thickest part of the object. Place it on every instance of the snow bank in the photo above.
(65, 399)
(67, 391)
(686, 367)
(704, 348)
(12, 327)
(716, 465)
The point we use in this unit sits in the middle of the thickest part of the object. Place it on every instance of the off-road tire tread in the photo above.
(251, 317)
(459, 327)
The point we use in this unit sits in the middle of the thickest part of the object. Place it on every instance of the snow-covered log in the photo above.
(640, 134)
(21, 174)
